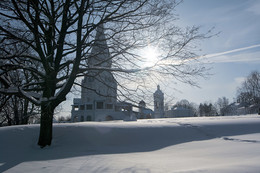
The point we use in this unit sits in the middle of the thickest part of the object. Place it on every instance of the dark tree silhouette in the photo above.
(55, 38)
(249, 92)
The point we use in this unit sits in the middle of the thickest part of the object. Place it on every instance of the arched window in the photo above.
(89, 118)
(109, 118)
(75, 119)
(82, 118)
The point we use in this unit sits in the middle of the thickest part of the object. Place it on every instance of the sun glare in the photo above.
(150, 56)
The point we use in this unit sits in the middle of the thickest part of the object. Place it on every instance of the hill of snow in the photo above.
(205, 144)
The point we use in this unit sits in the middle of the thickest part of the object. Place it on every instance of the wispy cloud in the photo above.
(239, 80)
(255, 8)
(223, 57)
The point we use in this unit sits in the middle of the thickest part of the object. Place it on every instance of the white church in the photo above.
(98, 100)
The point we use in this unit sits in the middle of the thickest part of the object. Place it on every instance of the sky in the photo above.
(231, 55)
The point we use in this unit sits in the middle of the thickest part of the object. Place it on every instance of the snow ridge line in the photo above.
(197, 128)
(239, 140)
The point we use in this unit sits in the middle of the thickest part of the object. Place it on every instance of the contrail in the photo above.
(231, 51)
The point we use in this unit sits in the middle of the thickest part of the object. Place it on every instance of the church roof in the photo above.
(158, 91)
(141, 102)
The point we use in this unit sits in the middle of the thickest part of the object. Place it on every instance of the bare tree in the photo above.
(15, 110)
(222, 106)
(58, 35)
(249, 92)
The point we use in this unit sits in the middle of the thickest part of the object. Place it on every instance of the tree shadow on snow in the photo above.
(70, 141)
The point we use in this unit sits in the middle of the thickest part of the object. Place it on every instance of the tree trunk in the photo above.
(25, 117)
(9, 120)
(47, 112)
(16, 112)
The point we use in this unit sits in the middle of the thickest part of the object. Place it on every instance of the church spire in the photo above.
(100, 55)
(100, 35)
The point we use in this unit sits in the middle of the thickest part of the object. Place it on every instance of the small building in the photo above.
(179, 112)
(242, 108)
(144, 113)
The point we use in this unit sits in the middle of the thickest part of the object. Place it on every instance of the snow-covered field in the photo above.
(206, 144)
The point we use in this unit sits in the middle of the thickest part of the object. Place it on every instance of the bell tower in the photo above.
(158, 98)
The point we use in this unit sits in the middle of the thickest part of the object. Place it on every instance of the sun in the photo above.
(149, 56)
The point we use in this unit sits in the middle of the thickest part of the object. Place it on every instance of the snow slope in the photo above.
(205, 144)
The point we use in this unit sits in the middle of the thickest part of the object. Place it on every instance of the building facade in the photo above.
(98, 100)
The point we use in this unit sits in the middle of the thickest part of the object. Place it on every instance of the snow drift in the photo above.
(206, 144)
